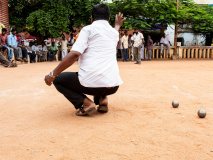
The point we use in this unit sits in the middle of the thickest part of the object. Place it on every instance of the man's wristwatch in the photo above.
(51, 75)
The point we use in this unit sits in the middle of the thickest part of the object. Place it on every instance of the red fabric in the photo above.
(3, 39)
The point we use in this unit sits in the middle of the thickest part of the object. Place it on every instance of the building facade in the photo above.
(4, 14)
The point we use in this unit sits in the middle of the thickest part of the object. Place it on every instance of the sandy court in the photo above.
(38, 123)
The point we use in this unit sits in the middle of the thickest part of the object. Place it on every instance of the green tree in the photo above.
(146, 14)
(50, 18)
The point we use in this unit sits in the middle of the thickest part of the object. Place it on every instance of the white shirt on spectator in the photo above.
(43, 49)
(137, 39)
(98, 64)
(125, 41)
(64, 44)
(35, 48)
(164, 40)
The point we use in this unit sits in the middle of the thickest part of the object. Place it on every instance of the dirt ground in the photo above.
(38, 123)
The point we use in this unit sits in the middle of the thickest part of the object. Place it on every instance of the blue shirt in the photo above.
(11, 40)
(19, 41)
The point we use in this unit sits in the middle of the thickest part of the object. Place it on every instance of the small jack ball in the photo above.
(201, 113)
(175, 104)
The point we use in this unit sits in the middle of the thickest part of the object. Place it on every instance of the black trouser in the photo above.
(68, 84)
(24, 52)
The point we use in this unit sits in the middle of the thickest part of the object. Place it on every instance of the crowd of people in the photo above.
(13, 45)
(130, 47)
(133, 46)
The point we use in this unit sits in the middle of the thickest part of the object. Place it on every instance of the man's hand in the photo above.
(48, 80)
(119, 20)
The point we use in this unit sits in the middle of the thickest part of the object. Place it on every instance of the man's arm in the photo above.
(119, 21)
(65, 63)
(9, 41)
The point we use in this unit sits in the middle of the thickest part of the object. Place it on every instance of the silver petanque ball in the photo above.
(175, 104)
(201, 113)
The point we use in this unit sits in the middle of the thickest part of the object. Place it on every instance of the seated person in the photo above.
(52, 51)
(3, 42)
(36, 50)
(12, 43)
(43, 51)
(24, 51)
(30, 52)
(3, 60)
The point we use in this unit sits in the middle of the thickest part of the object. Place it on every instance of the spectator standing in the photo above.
(30, 52)
(71, 39)
(63, 47)
(125, 46)
(130, 47)
(43, 51)
(52, 51)
(149, 48)
(138, 40)
(24, 51)
(165, 42)
(120, 46)
(3, 42)
(12, 43)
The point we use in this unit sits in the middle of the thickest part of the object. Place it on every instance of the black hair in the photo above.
(125, 31)
(100, 12)
(13, 30)
(4, 30)
(136, 28)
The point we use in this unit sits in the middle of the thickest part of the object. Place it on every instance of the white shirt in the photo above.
(44, 49)
(98, 64)
(125, 41)
(164, 40)
(35, 48)
(64, 44)
(137, 39)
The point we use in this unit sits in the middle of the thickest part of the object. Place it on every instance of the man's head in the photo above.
(14, 32)
(4, 31)
(136, 30)
(30, 44)
(35, 43)
(100, 12)
(18, 33)
(163, 35)
(53, 43)
(43, 43)
(126, 32)
(22, 43)
(149, 37)
(63, 36)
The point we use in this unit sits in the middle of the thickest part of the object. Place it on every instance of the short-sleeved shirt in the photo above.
(3, 39)
(43, 48)
(12, 40)
(53, 48)
(137, 38)
(98, 64)
(164, 40)
(64, 44)
(150, 44)
(125, 41)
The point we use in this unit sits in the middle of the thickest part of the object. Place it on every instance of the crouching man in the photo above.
(98, 73)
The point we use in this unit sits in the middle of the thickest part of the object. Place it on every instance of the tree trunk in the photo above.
(40, 38)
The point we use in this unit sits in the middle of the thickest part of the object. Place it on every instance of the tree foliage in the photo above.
(147, 13)
(50, 18)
